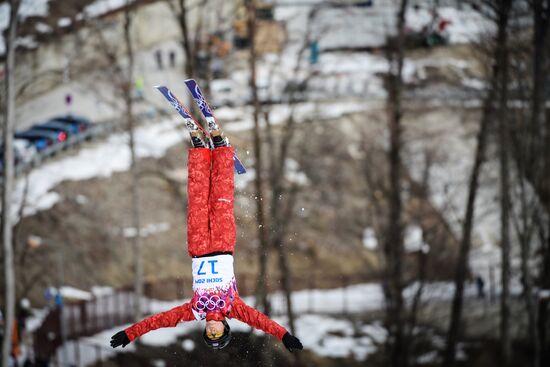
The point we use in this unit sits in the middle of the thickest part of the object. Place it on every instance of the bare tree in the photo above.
(479, 158)
(502, 58)
(529, 139)
(263, 235)
(525, 228)
(537, 169)
(115, 67)
(283, 195)
(541, 24)
(8, 178)
(393, 239)
(466, 242)
(190, 38)
(422, 261)
(180, 10)
(130, 122)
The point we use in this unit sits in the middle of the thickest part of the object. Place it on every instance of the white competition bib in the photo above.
(214, 285)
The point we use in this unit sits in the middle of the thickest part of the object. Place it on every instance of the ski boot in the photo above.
(216, 134)
(195, 133)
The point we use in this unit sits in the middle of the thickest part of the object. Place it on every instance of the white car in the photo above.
(25, 150)
(225, 92)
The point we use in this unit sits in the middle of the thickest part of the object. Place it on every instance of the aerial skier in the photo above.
(211, 237)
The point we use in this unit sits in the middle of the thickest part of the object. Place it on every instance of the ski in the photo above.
(191, 122)
(178, 106)
(209, 117)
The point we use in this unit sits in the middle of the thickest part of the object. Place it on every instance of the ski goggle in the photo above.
(215, 336)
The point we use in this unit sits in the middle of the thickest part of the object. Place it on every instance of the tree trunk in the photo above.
(503, 136)
(541, 21)
(393, 247)
(136, 220)
(525, 235)
(543, 302)
(186, 42)
(422, 264)
(461, 268)
(263, 235)
(538, 169)
(467, 227)
(281, 219)
(8, 177)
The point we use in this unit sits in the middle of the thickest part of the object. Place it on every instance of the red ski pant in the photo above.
(210, 219)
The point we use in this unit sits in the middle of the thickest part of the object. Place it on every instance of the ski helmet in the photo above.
(222, 341)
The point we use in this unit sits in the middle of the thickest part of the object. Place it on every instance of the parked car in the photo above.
(225, 92)
(268, 91)
(39, 142)
(57, 127)
(38, 136)
(26, 150)
(80, 122)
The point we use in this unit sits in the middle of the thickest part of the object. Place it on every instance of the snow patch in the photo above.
(148, 230)
(331, 337)
(28, 8)
(64, 22)
(71, 293)
(188, 345)
(413, 238)
(369, 239)
(102, 291)
(101, 7)
(293, 173)
(81, 199)
(43, 28)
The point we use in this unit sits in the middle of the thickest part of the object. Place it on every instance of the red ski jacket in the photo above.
(239, 311)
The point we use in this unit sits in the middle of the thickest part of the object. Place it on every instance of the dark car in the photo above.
(40, 141)
(79, 122)
(57, 127)
(36, 135)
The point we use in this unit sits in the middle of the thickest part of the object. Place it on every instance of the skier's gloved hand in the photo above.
(291, 342)
(120, 338)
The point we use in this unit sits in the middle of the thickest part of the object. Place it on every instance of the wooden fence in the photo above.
(86, 318)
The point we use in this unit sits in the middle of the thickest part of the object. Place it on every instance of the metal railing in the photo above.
(95, 131)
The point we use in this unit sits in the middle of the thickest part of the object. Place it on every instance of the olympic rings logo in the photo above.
(205, 303)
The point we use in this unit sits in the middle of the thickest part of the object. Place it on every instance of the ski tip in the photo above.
(190, 83)
(159, 87)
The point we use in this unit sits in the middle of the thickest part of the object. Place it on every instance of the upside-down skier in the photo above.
(211, 237)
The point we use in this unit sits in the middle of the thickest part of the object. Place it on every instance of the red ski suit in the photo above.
(210, 229)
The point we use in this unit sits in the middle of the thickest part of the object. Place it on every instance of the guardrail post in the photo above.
(83, 318)
(345, 294)
(77, 352)
(98, 354)
(311, 294)
(120, 307)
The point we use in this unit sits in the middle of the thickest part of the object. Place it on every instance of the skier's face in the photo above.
(214, 329)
